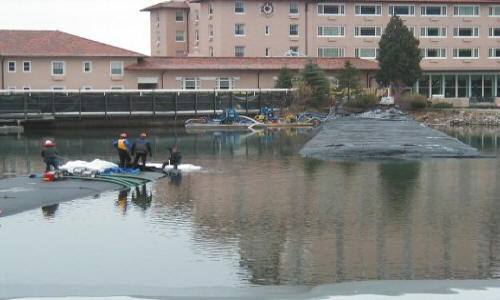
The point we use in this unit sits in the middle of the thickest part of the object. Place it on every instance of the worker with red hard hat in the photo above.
(49, 154)
(141, 148)
(123, 147)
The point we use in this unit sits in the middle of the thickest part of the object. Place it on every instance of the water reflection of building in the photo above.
(352, 221)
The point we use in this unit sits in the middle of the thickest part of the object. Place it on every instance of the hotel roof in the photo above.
(54, 43)
(168, 4)
(246, 63)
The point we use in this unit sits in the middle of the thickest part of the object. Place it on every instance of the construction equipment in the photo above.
(228, 116)
(266, 114)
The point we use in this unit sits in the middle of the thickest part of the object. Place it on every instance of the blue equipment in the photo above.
(268, 112)
(228, 116)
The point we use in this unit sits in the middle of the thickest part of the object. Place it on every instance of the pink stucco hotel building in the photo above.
(460, 39)
(211, 44)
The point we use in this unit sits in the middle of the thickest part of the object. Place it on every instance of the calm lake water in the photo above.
(257, 214)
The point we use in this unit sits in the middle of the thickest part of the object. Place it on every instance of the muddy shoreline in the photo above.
(458, 117)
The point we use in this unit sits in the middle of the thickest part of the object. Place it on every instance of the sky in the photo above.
(116, 22)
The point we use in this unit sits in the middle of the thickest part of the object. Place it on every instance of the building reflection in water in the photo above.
(354, 221)
(297, 221)
(142, 197)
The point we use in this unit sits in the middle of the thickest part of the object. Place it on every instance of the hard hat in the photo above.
(124, 135)
(143, 134)
(49, 143)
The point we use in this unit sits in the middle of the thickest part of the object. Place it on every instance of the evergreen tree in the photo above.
(399, 57)
(315, 78)
(348, 80)
(285, 78)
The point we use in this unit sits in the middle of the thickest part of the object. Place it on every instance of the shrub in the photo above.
(365, 101)
(412, 101)
(442, 105)
(314, 77)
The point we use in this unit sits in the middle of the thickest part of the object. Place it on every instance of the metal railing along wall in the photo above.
(107, 103)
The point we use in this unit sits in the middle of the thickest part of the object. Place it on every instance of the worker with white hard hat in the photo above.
(49, 154)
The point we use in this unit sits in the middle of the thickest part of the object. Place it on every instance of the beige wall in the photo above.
(244, 79)
(2, 70)
(163, 32)
(41, 77)
(255, 41)
(279, 41)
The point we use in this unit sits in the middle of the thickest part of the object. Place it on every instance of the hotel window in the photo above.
(211, 51)
(86, 87)
(494, 53)
(11, 66)
(466, 10)
(368, 31)
(87, 67)
(210, 8)
(331, 9)
(294, 29)
(58, 68)
(225, 83)
(179, 36)
(433, 32)
(196, 15)
(267, 30)
(367, 53)
(294, 8)
(494, 11)
(330, 31)
(116, 68)
(402, 10)
(494, 32)
(330, 52)
(434, 53)
(449, 86)
(210, 31)
(433, 10)
(26, 66)
(268, 52)
(26, 87)
(239, 29)
(368, 9)
(190, 83)
(239, 51)
(462, 86)
(293, 51)
(58, 88)
(117, 87)
(466, 31)
(197, 36)
(239, 6)
(179, 16)
(465, 52)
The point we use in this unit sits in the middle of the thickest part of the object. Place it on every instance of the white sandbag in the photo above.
(96, 164)
(182, 167)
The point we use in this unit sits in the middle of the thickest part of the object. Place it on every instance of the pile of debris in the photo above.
(459, 118)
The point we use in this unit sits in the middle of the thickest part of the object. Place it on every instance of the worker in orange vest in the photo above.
(123, 147)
